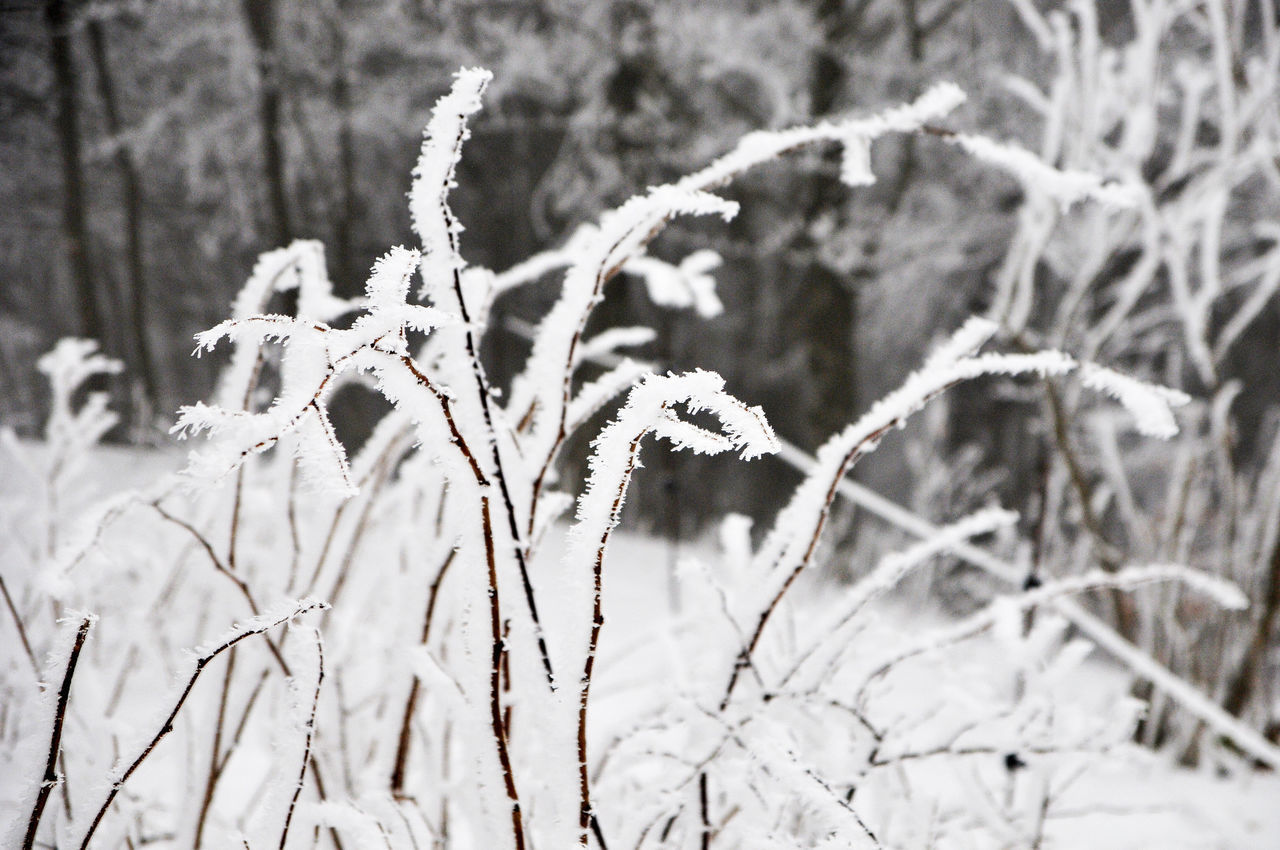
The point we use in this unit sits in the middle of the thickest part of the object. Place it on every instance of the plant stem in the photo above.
(50, 777)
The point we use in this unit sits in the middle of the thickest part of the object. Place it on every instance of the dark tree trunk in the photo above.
(826, 304)
(90, 312)
(1241, 687)
(136, 295)
(347, 268)
(260, 16)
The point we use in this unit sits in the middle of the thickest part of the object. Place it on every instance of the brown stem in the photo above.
(406, 723)
(744, 657)
(22, 629)
(495, 697)
(585, 815)
(705, 842)
(291, 514)
(1108, 555)
(306, 751)
(50, 777)
(238, 733)
(215, 763)
(227, 570)
(495, 611)
(482, 392)
(167, 727)
(603, 276)
(1242, 684)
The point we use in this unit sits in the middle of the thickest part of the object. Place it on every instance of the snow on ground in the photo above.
(1142, 801)
(656, 651)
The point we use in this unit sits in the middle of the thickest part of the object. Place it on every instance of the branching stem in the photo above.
(167, 726)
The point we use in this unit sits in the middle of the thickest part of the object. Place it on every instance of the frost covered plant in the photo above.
(1171, 278)
(448, 690)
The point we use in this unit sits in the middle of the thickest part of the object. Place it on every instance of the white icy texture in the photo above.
(299, 266)
(999, 610)
(605, 343)
(433, 177)
(70, 431)
(596, 394)
(788, 542)
(314, 355)
(1150, 405)
(683, 286)
(855, 134)
(615, 455)
(622, 235)
(1066, 187)
(894, 566)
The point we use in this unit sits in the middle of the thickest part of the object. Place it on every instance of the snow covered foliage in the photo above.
(1175, 110)
(439, 694)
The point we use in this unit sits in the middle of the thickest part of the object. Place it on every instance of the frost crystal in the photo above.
(1150, 405)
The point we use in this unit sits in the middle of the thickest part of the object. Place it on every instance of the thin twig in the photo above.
(585, 814)
(227, 569)
(22, 629)
(402, 747)
(55, 737)
(311, 728)
(495, 697)
(483, 393)
(215, 762)
(167, 727)
(744, 658)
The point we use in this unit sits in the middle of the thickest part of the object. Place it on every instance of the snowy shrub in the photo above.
(1171, 279)
(457, 684)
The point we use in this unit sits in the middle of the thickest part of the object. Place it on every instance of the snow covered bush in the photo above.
(407, 647)
(1175, 285)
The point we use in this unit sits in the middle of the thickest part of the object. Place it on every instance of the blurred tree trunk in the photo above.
(1248, 675)
(825, 306)
(260, 18)
(136, 297)
(90, 312)
(347, 269)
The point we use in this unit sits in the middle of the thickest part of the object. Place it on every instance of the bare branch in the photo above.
(50, 777)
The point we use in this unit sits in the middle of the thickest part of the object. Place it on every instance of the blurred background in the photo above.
(151, 149)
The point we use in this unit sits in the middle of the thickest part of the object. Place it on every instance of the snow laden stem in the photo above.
(651, 407)
(791, 544)
(442, 271)
(541, 397)
(501, 458)
(257, 626)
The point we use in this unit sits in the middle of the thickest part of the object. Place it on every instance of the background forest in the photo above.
(152, 150)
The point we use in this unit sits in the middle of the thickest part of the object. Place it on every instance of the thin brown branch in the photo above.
(483, 393)
(704, 812)
(22, 629)
(167, 726)
(50, 777)
(603, 275)
(291, 513)
(744, 658)
(243, 722)
(495, 697)
(585, 814)
(227, 570)
(306, 751)
(411, 704)
(215, 761)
